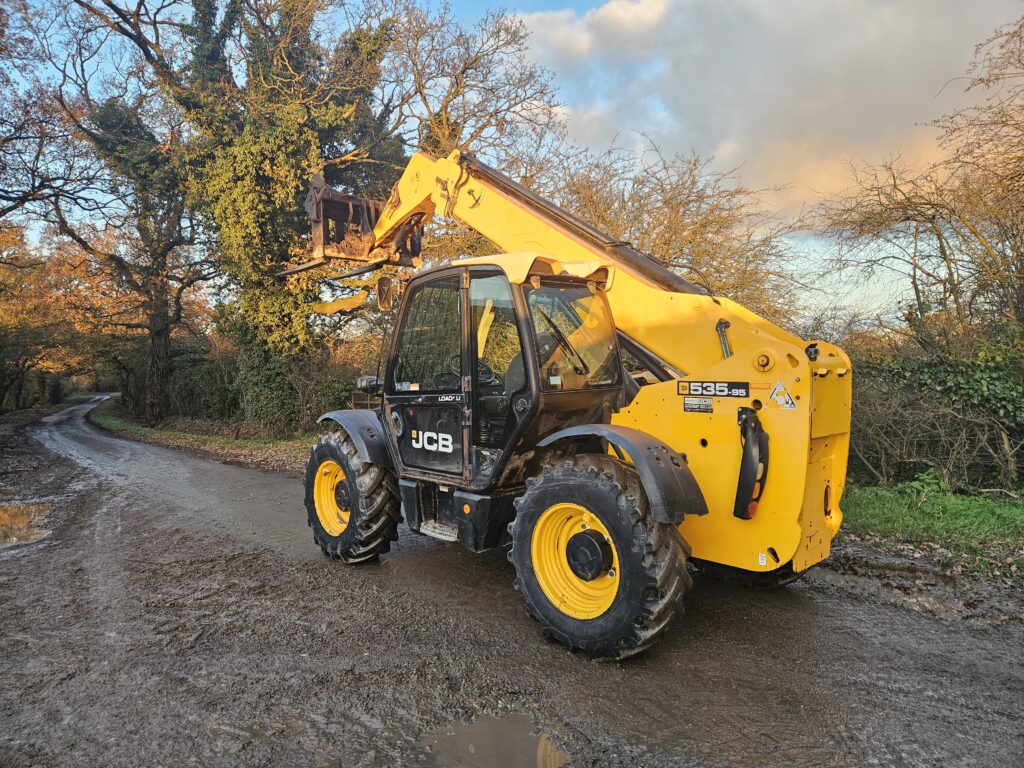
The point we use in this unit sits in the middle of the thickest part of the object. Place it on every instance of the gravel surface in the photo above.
(178, 613)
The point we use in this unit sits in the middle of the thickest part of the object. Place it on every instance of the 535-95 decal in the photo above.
(715, 388)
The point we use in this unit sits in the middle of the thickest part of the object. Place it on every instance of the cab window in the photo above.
(499, 372)
(429, 347)
(575, 337)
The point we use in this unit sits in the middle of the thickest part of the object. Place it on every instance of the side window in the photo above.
(575, 337)
(636, 368)
(429, 348)
(499, 351)
(499, 371)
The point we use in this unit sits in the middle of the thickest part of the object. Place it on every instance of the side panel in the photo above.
(705, 428)
(804, 406)
(432, 435)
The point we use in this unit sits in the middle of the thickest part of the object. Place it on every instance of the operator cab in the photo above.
(480, 365)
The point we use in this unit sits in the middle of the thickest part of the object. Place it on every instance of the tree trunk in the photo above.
(158, 374)
(40, 396)
(56, 390)
(1010, 476)
(159, 360)
(19, 386)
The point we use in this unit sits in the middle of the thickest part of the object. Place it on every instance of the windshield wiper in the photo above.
(582, 369)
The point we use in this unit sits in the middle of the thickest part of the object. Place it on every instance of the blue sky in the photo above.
(471, 9)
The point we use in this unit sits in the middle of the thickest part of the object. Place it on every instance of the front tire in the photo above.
(597, 572)
(351, 505)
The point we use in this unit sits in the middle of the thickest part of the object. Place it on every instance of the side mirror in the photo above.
(371, 385)
(386, 291)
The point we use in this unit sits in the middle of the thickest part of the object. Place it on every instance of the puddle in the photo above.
(491, 742)
(19, 523)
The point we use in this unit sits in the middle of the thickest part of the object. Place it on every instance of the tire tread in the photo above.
(664, 558)
(375, 514)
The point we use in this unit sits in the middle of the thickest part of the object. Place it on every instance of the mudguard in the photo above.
(367, 433)
(671, 488)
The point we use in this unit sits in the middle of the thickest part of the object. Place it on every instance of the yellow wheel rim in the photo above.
(330, 496)
(572, 595)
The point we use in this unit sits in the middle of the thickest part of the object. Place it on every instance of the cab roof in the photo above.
(519, 266)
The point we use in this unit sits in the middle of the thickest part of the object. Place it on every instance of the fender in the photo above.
(671, 488)
(367, 433)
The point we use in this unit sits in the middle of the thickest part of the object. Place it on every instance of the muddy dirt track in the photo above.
(179, 614)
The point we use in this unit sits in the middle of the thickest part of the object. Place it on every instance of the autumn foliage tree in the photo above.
(39, 344)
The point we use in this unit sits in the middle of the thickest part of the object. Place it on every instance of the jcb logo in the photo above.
(432, 441)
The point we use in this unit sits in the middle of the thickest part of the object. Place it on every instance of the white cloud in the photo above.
(567, 37)
(788, 89)
(628, 19)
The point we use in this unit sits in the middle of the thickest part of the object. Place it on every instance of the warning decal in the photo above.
(782, 397)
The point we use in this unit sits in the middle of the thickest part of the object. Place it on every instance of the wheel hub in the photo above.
(341, 496)
(589, 554)
(575, 560)
(331, 498)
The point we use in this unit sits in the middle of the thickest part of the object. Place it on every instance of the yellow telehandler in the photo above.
(618, 425)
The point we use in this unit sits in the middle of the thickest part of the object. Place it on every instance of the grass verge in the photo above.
(965, 533)
(288, 454)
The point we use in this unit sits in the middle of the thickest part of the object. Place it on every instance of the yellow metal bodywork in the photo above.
(569, 593)
(791, 522)
(803, 405)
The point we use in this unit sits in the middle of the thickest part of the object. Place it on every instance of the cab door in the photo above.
(500, 384)
(424, 395)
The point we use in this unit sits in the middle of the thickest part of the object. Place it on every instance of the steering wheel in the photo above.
(445, 380)
(485, 374)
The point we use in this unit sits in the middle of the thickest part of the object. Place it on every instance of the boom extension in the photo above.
(359, 229)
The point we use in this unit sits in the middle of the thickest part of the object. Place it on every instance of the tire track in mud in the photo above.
(180, 614)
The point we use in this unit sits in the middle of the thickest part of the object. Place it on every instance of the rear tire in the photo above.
(351, 505)
(597, 494)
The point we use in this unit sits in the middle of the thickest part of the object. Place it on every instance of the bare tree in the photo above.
(952, 233)
(989, 135)
(950, 237)
(690, 218)
(450, 87)
(35, 165)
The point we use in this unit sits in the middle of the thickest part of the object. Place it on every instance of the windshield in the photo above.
(575, 337)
